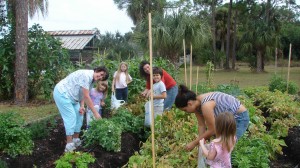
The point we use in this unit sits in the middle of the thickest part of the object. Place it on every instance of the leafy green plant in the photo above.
(127, 121)
(77, 159)
(15, 138)
(41, 129)
(104, 133)
(278, 83)
(250, 152)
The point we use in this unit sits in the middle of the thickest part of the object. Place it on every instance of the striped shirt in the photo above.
(224, 102)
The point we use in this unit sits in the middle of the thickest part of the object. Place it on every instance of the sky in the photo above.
(84, 15)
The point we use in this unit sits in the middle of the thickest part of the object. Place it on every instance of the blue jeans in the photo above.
(171, 95)
(242, 122)
(69, 111)
(122, 94)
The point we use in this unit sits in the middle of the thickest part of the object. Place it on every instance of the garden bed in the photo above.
(48, 150)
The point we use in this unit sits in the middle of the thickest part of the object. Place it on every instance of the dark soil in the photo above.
(48, 150)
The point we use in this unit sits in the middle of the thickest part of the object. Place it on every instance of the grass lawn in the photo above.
(243, 77)
(31, 113)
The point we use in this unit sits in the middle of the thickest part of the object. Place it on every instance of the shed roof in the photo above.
(74, 39)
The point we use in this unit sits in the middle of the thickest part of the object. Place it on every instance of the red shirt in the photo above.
(166, 78)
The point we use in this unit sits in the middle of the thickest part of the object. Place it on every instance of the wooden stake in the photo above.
(197, 80)
(191, 66)
(289, 65)
(275, 68)
(184, 58)
(151, 89)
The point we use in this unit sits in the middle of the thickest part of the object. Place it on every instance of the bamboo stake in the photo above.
(191, 66)
(197, 80)
(289, 65)
(184, 58)
(275, 68)
(151, 89)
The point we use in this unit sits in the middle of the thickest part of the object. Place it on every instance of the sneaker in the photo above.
(77, 142)
(70, 147)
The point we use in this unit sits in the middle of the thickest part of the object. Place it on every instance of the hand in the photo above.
(202, 141)
(81, 110)
(190, 146)
(97, 116)
(102, 104)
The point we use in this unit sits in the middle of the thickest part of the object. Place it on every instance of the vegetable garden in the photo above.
(121, 140)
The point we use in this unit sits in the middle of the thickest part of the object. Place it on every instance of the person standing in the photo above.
(70, 94)
(219, 152)
(120, 82)
(170, 83)
(159, 94)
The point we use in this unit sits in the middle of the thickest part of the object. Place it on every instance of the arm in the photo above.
(145, 92)
(89, 103)
(113, 85)
(206, 124)
(162, 96)
(201, 131)
(210, 154)
(81, 109)
(130, 79)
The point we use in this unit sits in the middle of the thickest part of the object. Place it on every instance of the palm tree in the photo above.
(260, 35)
(19, 10)
(169, 31)
(138, 10)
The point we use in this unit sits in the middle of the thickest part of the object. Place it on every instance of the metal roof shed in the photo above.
(80, 43)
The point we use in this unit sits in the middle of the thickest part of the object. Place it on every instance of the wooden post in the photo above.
(151, 89)
(289, 65)
(191, 66)
(184, 58)
(275, 68)
(197, 80)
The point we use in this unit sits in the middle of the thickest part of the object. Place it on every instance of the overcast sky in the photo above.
(84, 15)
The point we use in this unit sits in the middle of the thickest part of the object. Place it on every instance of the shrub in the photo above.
(104, 133)
(278, 83)
(15, 138)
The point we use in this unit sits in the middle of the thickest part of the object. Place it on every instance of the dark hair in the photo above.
(143, 74)
(100, 69)
(157, 70)
(184, 95)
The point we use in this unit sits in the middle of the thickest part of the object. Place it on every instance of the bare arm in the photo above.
(146, 92)
(163, 95)
(206, 124)
(210, 154)
(89, 103)
(113, 85)
(201, 130)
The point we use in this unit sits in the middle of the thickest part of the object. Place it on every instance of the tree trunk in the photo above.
(234, 41)
(21, 39)
(259, 61)
(213, 11)
(228, 36)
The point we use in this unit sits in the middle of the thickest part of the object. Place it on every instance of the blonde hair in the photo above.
(225, 127)
(119, 72)
(102, 83)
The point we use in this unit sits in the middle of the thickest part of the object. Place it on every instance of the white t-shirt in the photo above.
(74, 81)
(121, 83)
(158, 89)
